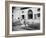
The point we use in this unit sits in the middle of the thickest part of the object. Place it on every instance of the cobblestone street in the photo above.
(23, 27)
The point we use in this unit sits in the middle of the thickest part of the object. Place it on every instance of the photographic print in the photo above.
(25, 19)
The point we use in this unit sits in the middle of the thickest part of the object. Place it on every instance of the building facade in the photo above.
(28, 14)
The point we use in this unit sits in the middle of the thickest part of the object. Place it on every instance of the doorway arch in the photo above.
(30, 14)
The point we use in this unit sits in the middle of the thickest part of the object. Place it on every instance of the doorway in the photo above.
(23, 16)
(30, 14)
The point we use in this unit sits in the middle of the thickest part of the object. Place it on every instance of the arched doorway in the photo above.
(30, 14)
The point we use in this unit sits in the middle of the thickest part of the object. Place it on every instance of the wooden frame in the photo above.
(7, 19)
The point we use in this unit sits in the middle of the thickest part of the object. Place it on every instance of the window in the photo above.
(38, 14)
(30, 14)
(38, 9)
(13, 9)
(22, 16)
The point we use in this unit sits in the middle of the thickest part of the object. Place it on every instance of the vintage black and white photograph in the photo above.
(25, 18)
